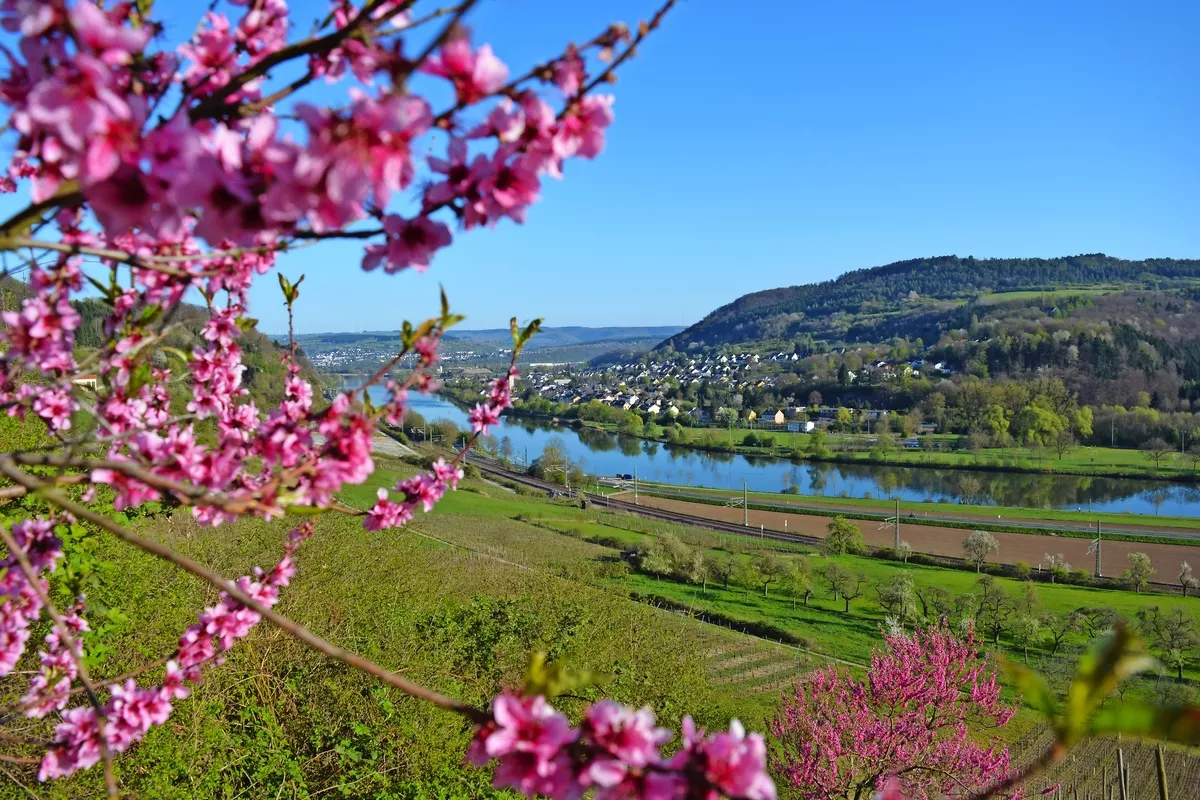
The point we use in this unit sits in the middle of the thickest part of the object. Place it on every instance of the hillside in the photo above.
(908, 298)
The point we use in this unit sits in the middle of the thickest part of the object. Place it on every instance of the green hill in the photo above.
(909, 298)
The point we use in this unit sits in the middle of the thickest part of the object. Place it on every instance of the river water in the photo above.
(607, 454)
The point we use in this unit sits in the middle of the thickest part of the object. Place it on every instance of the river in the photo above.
(602, 453)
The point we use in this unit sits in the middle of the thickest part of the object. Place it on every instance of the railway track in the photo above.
(602, 501)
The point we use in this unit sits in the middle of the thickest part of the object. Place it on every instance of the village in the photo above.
(721, 390)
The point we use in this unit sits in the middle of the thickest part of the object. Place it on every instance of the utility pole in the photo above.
(897, 545)
(1098, 568)
(635, 497)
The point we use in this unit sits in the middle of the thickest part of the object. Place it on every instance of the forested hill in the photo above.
(905, 287)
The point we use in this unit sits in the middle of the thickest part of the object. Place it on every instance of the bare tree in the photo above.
(1060, 626)
(1157, 449)
(996, 608)
(844, 583)
(978, 547)
(1064, 443)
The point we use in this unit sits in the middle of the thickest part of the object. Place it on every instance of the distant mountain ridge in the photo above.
(568, 335)
(776, 313)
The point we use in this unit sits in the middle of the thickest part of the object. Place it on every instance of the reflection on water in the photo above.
(603, 453)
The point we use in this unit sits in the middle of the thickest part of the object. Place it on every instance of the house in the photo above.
(86, 381)
(927, 427)
(751, 416)
(653, 408)
(776, 416)
(795, 412)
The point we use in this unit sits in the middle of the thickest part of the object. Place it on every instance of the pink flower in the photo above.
(511, 186)
(482, 417)
(474, 75)
(386, 513)
(106, 36)
(211, 52)
(628, 737)
(55, 406)
(76, 744)
(737, 764)
(581, 133)
(410, 243)
(569, 72)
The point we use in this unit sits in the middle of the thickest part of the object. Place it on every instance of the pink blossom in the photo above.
(581, 133)
(410, 243)
(475, 75)
(482, 417)
(627, 738)
(55, 406)
(737, 764)
(211, 52)
(835, 731)
(386, 513)
(106, 36)
(569, 72)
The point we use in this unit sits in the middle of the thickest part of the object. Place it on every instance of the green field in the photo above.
(1047, 297)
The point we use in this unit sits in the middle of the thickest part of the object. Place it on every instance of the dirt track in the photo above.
(1014, 547)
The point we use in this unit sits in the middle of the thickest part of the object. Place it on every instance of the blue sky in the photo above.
(772, 143)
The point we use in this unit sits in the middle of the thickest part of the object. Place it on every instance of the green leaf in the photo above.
(1033, 688)
(552, 680)
(448, 320)
(1179, 724)
(1118, 656)
(149, 314)
(246, 323)
(519, 339)
(138, 378)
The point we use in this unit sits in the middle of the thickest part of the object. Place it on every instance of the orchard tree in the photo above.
(979, 547)
(995, 609)
(843, 536)
(770, 570)
(1139, 573)
(796, 581)
(1187, 579)
(152, 175)
(1172, 633)
(842, 737)
(904, 551)
(722, 567)
(1060, 626)
(1157, 449)
(897, 598)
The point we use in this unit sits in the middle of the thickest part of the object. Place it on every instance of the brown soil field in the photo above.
(1014, 547)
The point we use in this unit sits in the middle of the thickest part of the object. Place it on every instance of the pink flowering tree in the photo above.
(910, 728)
(159, 174)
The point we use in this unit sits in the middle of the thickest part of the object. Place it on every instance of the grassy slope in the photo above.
(279, 720)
